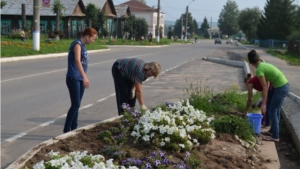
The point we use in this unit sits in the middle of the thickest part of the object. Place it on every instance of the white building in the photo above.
(141, 10)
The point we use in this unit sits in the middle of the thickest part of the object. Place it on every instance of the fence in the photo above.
(294, 47)
(271, 43)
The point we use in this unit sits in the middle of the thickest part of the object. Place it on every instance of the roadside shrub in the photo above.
(233, 124)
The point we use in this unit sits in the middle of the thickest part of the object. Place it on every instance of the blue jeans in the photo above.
(275, 107)
(76, 90)
(266, 121)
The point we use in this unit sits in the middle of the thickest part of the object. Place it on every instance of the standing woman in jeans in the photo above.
(76, 79)
(268, 73)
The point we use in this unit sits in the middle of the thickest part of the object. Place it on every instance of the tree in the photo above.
(298, 16)
(136, 26)
(228, 19)
(248, 21)
(57, 9)
(204, 27)
(170, 32)
(178, 26)
(195, 26)
(142, 1)
(141, 27)
(3, 3)
(91, 15)
(278, 20)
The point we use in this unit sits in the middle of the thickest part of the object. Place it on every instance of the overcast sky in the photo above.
(198, 8)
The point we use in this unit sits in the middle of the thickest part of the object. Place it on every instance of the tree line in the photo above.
(280, 20)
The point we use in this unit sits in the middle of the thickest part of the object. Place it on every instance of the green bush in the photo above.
(233, 124)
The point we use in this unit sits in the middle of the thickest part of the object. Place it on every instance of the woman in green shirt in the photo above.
(268, 73)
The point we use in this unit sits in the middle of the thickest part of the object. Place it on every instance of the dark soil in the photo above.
(222, 152)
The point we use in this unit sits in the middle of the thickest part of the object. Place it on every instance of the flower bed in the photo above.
(173, 136)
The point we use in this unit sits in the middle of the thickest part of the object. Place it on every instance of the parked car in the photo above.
(218, 40)
(229, 41)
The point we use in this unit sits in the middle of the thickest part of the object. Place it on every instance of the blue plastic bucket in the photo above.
(255, 121)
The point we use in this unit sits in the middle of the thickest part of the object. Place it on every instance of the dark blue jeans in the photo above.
(266, 121)
(275, 107)
(123, 88)
(76, 90)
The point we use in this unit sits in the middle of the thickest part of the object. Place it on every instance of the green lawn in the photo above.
(15, 47)
(290, 58)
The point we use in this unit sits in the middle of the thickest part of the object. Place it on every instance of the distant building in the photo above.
(214, 32)
(141, 10)
(73, 20)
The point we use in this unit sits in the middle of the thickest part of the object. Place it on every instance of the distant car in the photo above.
(229, 41)
(218, 40)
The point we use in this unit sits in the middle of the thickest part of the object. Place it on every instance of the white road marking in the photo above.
(7, 80)
(64, 115)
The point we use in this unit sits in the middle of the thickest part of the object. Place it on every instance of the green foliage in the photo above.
(170, 32)
(233, 124)
(228, 19)
(3, 3)
(191, 24)
(290, 58)
(248, 21)
(294, 36)
(96, 17)
(105, 134)
(14, 47)
(141, 27)
(278, 20)
(87, 161)
(203, 98)
(136, 26)
(193, 161)
(57, 9)
(204, 27)
(114, 152)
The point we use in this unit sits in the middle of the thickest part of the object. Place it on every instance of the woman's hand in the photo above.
(86, 83)
(263, 108)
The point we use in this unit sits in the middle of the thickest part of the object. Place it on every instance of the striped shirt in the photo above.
(132, 68)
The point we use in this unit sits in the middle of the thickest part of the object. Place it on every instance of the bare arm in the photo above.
(250, 94)
(264, 85)
(77, 52)
(139, 93)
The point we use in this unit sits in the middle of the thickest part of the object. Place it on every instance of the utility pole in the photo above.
(158, 13)
(181, 26)
(186, 21)
(36, 25)
(23, 17)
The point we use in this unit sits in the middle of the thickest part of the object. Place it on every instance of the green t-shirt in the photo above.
(271, 73)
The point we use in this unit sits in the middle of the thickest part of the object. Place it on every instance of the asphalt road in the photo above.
(35, 98)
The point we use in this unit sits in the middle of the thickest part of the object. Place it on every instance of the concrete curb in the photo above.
(18, 58)
(20, 162)
(231, 63)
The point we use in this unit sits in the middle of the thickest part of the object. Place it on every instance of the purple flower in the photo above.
(187, 155)
(157, 162)
(162, 154)
(166, 161)
(153, 154)
(148, 166)
(125, 106)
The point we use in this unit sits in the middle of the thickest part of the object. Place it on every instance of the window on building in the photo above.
(53, 25)
(5, 26)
